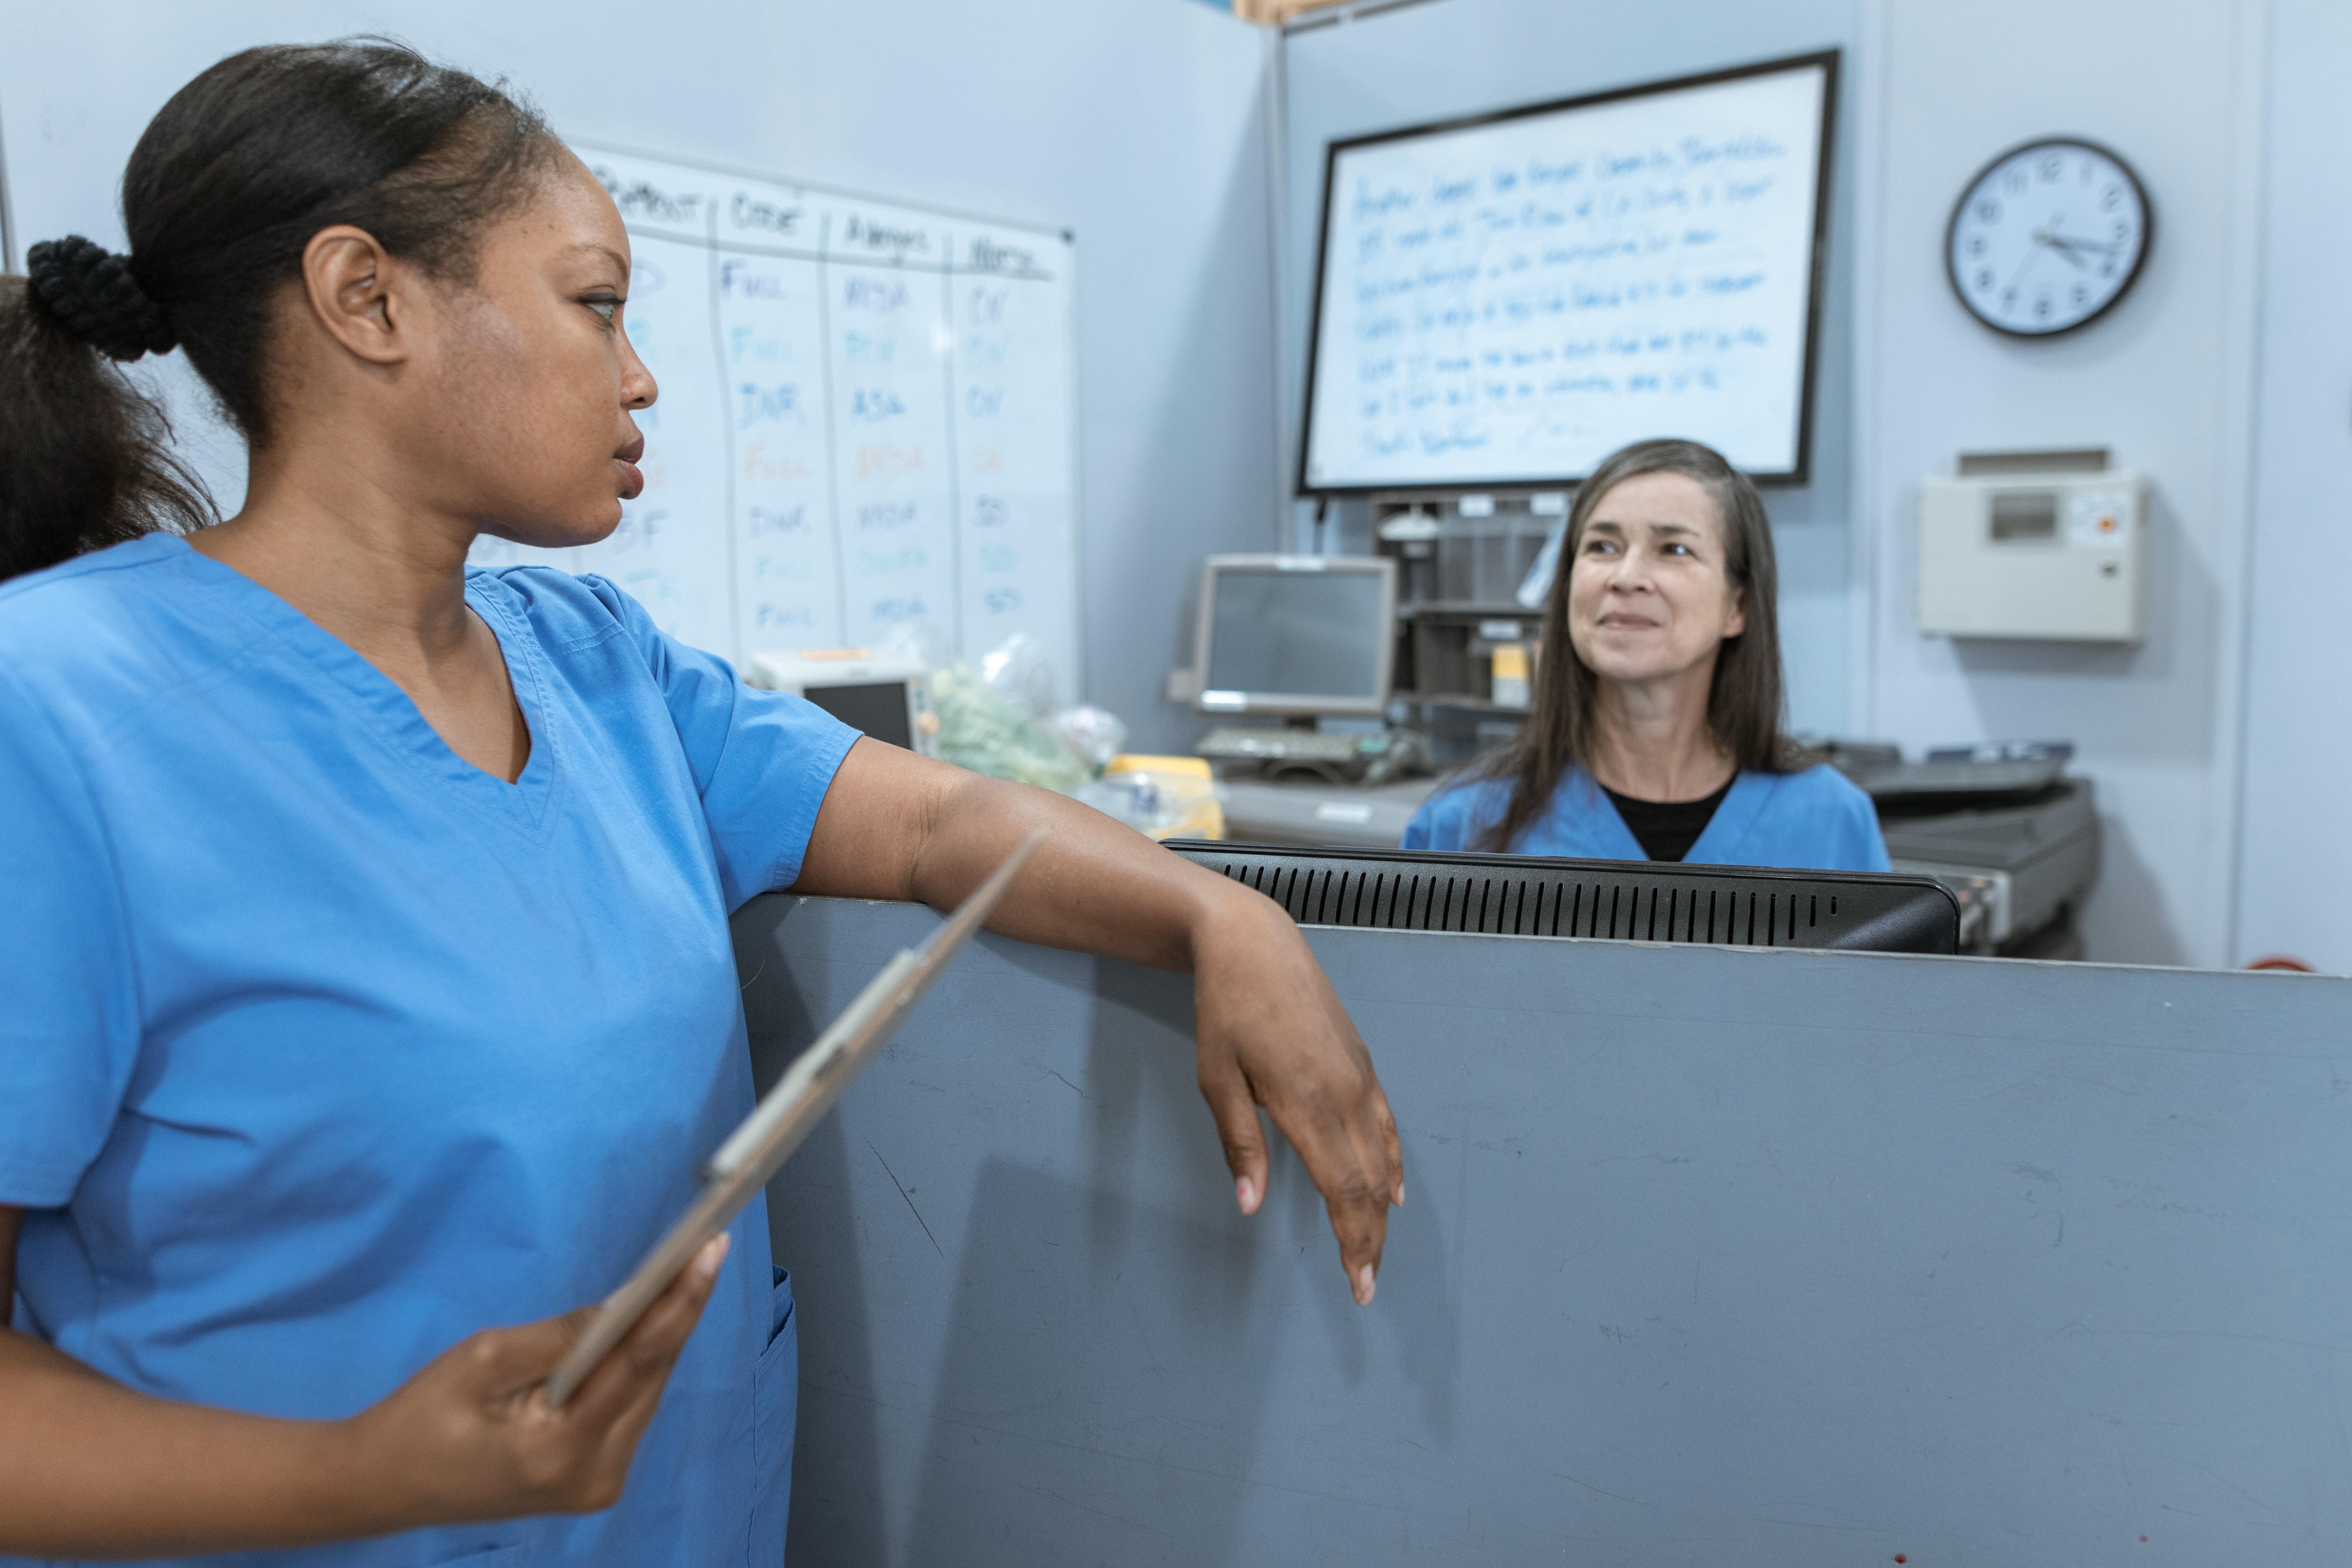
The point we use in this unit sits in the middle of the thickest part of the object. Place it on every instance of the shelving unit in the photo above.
(1461, 560)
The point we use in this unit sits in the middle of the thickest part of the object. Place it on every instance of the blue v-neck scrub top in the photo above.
(1814, 820)
(320, 1048)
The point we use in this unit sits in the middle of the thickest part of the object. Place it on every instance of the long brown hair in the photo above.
(1743, 704)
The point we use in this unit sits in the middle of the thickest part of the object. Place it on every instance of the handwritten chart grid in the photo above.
(866, 419)
(1514, 299)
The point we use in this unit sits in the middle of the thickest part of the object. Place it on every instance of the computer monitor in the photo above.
(1622, 900)
(886, 696)
(1296, 634)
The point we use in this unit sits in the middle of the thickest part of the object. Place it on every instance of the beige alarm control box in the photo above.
(2055, 556)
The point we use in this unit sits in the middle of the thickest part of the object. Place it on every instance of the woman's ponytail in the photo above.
(83, 456)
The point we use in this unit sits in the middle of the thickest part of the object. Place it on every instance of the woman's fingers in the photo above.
(1228, 1091)
(639, 1365)
(1384, 1121)
(1329, 1106)
(677, 1311)
(471, 1436)
(1271, 1032)
(1356, 1179)
(510, 1361)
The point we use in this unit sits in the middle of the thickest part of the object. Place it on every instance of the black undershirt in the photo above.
(1667, 829)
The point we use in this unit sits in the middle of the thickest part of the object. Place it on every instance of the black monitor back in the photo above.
(1622, 900)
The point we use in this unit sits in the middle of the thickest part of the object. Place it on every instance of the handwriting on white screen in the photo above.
(1576, 255)
(1521, 292)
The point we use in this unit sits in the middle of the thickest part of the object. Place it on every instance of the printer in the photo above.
(2003, 825)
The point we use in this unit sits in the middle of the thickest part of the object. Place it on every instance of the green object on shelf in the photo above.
(980, 731)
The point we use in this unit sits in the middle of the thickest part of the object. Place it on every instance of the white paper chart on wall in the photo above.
(865, 420)
(1509, 299)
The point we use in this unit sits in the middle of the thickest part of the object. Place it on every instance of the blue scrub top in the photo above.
(322, 1048)
(1814, 820)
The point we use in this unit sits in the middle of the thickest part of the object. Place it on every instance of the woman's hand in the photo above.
(471, 1436)
(1270, 1032)
(90, 1468)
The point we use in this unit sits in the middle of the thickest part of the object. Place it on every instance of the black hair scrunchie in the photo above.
(88, 290)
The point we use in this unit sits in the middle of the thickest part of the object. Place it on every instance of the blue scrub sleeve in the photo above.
(69, 1005)
(1865, 842)
(1457, 816)
(761, 760)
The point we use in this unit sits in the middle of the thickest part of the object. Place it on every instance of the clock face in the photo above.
(2048, 238)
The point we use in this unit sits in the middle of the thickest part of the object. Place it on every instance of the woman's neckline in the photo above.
(382, 699)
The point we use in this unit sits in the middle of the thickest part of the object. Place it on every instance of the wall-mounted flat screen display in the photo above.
(1506, 299)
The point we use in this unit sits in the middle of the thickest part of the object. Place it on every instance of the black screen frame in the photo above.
(1827, 61)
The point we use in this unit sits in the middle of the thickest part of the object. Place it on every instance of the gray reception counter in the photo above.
(1710, 1255)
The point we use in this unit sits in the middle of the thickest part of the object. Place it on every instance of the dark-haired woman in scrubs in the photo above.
(365, 982)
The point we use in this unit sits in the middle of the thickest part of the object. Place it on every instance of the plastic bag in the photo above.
(917, 642)
(980, 731)
(1093, 733)
(1017, 670)
(999, 718)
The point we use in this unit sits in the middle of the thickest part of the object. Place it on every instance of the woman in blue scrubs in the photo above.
(1654, 733)
(364, 972)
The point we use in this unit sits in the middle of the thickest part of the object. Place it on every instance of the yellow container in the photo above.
(1187, 791)
(1511, 675)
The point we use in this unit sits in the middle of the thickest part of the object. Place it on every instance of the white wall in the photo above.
(2295, 850)
(2166, 381)
(1140, 124)
(1458, 57)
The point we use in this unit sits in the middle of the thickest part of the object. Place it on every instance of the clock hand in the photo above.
(2061, 248)
(2063, 243)
(2019, 276)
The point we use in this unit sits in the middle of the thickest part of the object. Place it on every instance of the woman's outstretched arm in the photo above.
(1270, 1032)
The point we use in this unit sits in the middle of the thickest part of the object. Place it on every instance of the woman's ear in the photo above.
(1734, 620)
(349, 282)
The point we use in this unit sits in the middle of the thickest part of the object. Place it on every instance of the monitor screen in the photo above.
(877, 707)
(1303, 634)
(1506, 298)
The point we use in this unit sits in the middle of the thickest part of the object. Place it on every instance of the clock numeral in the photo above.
(2041, 306)
(1977, 246)
(2052, 166)
(1984, 277)
(2107, 270)
(2013, 181)
(1988, 211)
(2009, 299)
(2113, 199)
(2122, 228)
(2081, 294)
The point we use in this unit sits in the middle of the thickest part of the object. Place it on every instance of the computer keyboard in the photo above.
(1289, 746)
(1366, 757)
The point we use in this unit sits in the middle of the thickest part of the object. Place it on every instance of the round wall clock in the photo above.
(2048, 238)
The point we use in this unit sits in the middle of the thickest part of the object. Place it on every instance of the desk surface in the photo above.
(1711, 1257)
